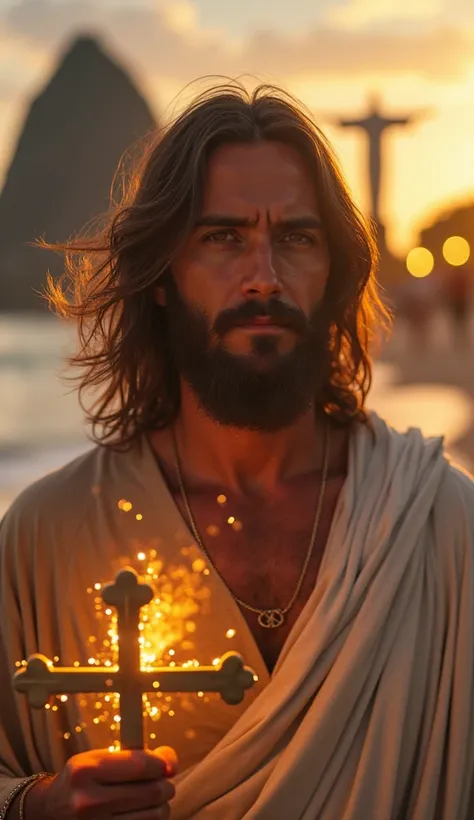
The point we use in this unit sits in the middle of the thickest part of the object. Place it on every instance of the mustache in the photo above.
(274, 310)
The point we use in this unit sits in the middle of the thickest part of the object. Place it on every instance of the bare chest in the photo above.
(260, 549)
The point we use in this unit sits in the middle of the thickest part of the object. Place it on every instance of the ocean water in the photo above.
(42, 425)
(41, 422)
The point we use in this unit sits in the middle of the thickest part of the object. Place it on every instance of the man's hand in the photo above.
(101, 785)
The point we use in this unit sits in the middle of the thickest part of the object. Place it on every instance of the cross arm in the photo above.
(352, 123)
(39, 679)
(231, 678)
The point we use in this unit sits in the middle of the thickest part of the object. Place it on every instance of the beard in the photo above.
(264, 390)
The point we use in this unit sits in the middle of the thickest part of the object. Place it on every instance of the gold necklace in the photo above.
(267, 618)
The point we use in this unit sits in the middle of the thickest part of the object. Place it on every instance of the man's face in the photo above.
(244, 302)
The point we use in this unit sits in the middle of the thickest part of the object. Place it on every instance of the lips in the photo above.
(260, 321)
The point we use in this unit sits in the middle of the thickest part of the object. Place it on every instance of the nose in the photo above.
(260, 279)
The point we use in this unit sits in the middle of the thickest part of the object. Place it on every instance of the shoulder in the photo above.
(54, 493)
(422, 463)
(451, 526)
(459, 484)
(60, 502)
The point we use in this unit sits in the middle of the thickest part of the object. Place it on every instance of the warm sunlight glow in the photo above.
(166, 639)
(456, 250)
(181, 15)
(420, 262)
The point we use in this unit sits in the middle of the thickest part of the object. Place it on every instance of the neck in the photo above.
(243, 460)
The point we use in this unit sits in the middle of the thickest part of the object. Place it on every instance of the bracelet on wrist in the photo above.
(22, 787)
(30, 785)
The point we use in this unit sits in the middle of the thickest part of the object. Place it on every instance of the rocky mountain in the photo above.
(74, 135)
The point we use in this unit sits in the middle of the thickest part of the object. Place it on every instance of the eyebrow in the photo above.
(232, 221)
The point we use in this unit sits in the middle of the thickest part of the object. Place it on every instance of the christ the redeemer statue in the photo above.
(374, 126)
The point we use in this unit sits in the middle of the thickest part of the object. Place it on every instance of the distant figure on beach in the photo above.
(416, 304)
(457, 295)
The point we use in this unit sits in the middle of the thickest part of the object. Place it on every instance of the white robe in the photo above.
(368, 714)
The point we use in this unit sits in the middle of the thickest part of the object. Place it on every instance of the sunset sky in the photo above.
(418, 55)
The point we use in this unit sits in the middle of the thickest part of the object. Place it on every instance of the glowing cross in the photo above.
(39, 679)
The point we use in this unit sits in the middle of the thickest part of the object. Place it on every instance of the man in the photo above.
(225, 317)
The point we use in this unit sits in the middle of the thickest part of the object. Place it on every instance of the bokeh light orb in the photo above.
(420, 262)
(456, 251)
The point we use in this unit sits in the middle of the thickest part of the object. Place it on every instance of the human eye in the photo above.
(299, 238)
(222, 236)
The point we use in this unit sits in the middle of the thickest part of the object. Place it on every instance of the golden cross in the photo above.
(39, 679)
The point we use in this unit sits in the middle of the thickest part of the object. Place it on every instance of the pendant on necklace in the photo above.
(271, 618)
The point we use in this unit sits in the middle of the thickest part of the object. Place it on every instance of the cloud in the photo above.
(181, 15)
(173, 45)
(364, 13)
(45, 22)
(439, 53)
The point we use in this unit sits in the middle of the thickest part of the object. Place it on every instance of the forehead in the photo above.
(262, 176)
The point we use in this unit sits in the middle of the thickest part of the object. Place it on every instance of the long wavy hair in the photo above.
(110, 274)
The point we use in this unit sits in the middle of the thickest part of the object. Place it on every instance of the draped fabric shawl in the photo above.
(369, 714)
